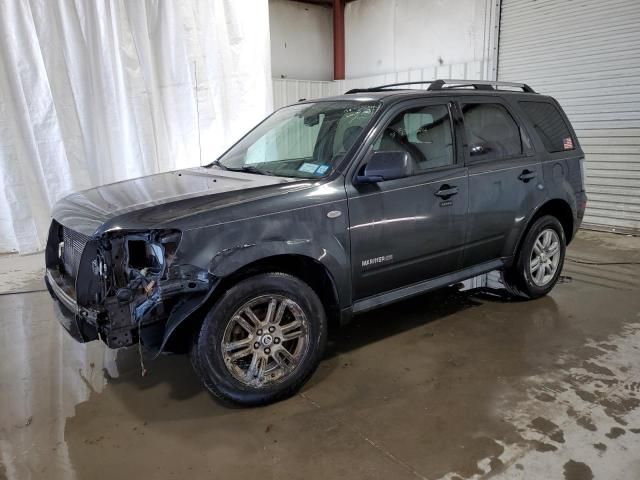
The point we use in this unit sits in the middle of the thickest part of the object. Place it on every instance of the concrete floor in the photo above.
(448, 385)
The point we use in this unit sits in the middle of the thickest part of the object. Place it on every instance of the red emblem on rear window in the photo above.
(567, 143)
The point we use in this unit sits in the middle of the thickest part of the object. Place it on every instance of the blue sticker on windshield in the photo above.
(308, 167)
(321, 170)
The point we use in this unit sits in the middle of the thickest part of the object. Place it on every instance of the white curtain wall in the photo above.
(96, 91)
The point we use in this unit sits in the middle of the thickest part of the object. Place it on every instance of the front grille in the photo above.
(73, 245)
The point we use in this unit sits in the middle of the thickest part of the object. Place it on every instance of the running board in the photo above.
(403, 293)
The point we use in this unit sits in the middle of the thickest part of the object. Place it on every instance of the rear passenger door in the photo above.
(504, 177)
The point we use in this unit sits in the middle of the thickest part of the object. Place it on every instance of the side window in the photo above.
(549, 125)
(423, 132)
(491, 132)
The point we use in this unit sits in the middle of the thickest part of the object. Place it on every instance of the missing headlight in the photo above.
(142, 254)
(151, 253)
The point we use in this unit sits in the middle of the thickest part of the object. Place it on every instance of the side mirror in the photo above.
(387, 166)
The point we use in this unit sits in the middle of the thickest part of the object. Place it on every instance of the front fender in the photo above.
(227, 261)
(331, 254)
(308, 224)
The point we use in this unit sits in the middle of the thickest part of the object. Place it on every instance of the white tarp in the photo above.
(93, 92)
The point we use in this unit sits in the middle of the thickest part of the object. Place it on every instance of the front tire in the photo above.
(539, 260)
(261, 341)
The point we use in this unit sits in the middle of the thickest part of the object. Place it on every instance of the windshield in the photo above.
(305, 140)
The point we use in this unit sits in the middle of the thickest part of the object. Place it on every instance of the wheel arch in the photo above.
(556, 207)
(306, 268)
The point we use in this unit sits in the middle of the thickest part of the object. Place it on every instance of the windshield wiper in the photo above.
(217, 163)
(249, 169)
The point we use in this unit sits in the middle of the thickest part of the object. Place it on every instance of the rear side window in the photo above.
(492, 133)
(550, 126)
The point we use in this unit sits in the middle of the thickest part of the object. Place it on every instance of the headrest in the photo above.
(426, 133)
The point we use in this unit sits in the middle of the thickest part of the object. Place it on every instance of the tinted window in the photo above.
(491, 132)
(549, 125)
(423, 132)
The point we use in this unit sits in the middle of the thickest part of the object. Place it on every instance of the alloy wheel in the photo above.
(545, 257)
(265, 340)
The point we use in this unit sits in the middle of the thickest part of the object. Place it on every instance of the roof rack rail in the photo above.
(442, 84)
(478, 85)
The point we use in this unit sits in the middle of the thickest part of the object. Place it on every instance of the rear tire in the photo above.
(261, 341)
(539, 260)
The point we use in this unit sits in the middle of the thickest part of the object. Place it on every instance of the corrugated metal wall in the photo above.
(286, 92)
(586, 53)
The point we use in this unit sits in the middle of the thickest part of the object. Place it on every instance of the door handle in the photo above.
(527, 175)
(446, 191)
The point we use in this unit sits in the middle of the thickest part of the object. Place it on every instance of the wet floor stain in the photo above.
(587, 423)
(547, 428)
(616, 406)
(587, 396)
(577, 471)
(544, 447)
(615, 432)
(597, 369)
(601, 447)
(545, 397)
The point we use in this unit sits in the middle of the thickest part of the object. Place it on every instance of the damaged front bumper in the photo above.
(81, 323)
(122, 289)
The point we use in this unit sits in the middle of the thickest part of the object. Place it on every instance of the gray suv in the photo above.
(326, 209)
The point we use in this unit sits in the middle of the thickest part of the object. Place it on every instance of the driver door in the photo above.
(410, 229)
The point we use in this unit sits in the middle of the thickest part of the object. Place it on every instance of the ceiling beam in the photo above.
(338, 40)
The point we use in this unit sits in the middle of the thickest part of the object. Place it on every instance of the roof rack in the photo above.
(441, 84)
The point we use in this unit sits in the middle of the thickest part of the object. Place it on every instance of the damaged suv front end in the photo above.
(160, 260)
(119, 285)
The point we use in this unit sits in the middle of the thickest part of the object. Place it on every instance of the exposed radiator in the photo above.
(74, 244)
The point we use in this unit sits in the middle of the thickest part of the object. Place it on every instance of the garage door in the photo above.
(586, 53)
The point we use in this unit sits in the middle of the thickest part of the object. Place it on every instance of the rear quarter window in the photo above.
(549, 125)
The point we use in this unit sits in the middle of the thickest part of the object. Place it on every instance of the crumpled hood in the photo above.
(134, 203)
